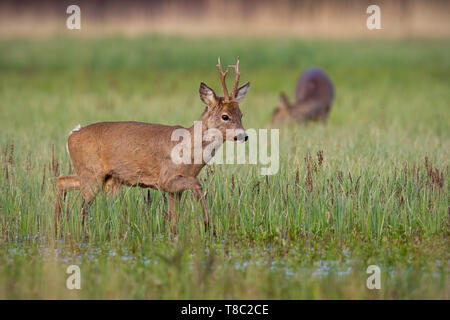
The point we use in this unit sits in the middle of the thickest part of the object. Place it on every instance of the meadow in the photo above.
(369, 187)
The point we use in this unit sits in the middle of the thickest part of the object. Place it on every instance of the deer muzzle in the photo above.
(241, 137)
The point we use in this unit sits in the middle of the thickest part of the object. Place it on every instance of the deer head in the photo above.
(223, 113)
(282, 113)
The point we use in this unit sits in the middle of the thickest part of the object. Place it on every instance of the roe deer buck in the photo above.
(110, 154)
(314, 96)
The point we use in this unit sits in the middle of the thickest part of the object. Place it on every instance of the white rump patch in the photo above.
(77, 128)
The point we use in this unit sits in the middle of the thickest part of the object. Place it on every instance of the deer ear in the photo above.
(242, 91)
(207, 95)
(284, 102)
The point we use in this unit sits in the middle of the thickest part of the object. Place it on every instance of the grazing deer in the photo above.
(110, 154)
(314, 96)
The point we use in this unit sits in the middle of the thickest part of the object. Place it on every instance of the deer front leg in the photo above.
(172, 213)
(112, 186)
(179, 184)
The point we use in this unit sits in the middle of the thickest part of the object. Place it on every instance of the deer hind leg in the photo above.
(90, 186)
(73, 182)
(179, 184)
(64, 184)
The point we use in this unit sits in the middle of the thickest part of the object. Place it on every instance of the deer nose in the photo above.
(241, 137)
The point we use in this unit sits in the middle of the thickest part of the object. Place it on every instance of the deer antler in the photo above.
(222, 78)
(236, 81)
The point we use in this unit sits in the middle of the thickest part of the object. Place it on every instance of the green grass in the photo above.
(380, 196)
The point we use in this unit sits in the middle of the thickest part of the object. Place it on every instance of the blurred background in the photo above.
(308, 18)
(378, 193)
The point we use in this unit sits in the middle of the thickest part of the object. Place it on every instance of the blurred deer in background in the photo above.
(110, 154)
(314, 96)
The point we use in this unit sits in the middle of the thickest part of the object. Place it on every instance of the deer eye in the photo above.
(225, 117)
